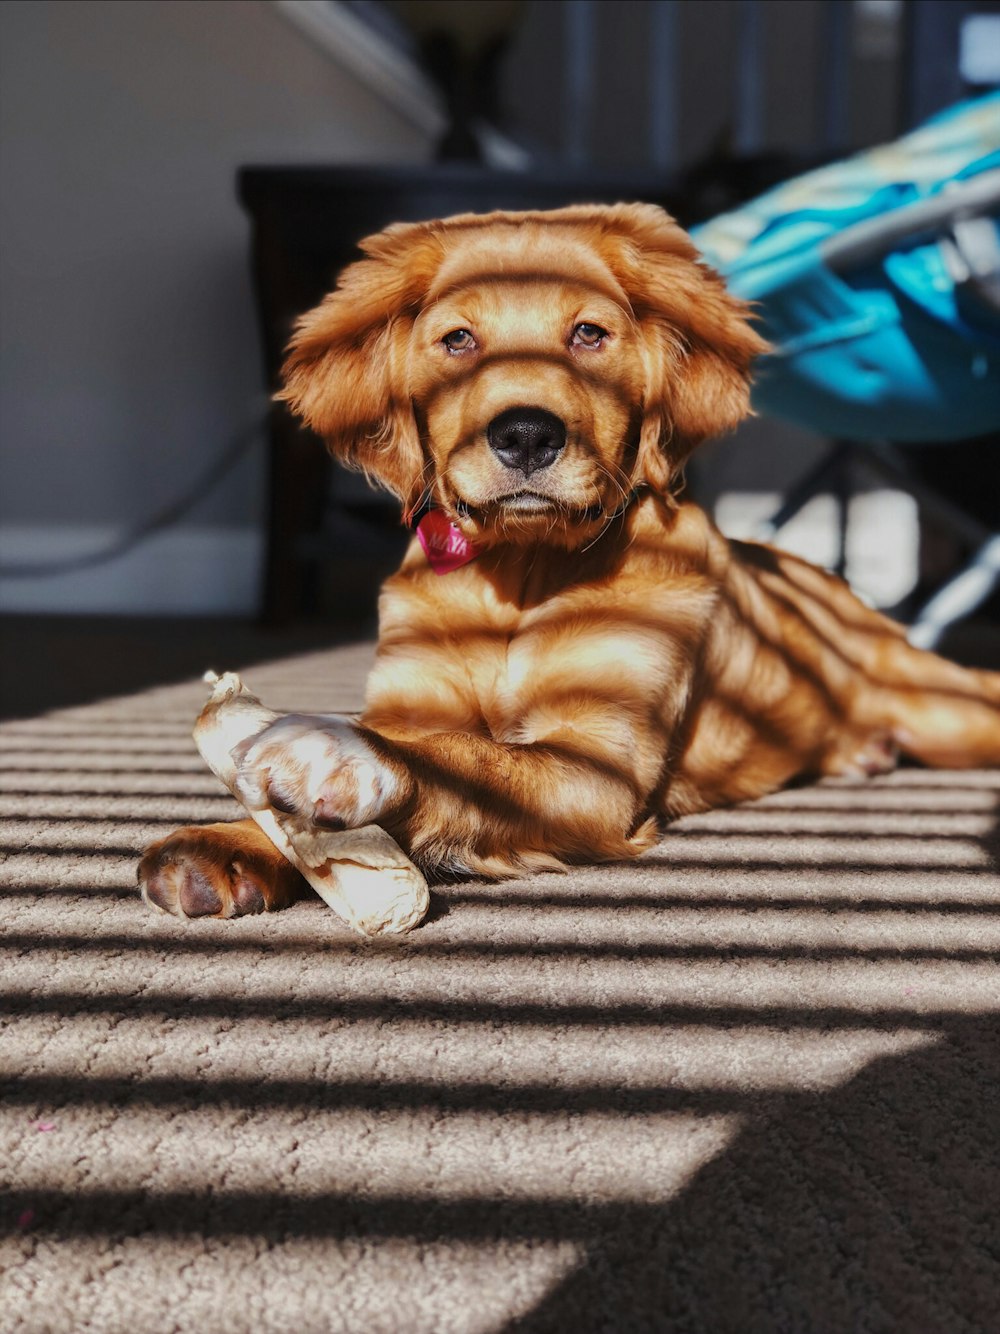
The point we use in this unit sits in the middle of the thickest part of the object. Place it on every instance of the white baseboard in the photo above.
(180, 572)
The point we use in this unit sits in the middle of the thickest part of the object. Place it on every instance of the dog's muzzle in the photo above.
(526, 439)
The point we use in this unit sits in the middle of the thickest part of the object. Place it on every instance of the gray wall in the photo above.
(129, 349)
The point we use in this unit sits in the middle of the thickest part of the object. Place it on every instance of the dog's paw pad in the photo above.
(197, 896)
(248, 897)
(159, 888)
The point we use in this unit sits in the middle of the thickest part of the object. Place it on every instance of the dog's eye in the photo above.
(589, 335)
(459, 340)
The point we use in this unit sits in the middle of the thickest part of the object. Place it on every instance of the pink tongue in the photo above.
(443, 543)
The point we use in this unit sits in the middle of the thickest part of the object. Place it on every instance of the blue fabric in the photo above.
(883, 352)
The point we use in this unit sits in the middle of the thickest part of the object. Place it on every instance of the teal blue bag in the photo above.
(877, 282)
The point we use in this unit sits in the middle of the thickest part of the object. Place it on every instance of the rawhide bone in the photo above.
(363, 874)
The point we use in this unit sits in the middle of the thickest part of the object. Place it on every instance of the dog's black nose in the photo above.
(527, 439)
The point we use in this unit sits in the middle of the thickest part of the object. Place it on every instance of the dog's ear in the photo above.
(345, 370)
(698, 341)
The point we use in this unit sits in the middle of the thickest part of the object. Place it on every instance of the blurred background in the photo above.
(180, 178)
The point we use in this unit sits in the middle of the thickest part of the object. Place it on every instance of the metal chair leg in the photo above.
(960, 597)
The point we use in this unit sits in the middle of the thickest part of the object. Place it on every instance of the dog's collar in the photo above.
(445, 545)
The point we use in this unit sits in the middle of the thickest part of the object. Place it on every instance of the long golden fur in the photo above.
(609, 660)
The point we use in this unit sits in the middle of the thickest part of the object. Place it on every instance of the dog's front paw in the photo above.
(217, 870)
(319, 767)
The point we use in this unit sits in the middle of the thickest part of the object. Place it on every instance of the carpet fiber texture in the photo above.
(746, 1083)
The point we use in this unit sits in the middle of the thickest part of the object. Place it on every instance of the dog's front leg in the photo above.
(457, 800)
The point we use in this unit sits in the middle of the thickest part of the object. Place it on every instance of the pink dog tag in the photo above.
(445, 546)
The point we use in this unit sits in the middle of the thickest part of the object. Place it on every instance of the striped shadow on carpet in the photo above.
(746, 1083)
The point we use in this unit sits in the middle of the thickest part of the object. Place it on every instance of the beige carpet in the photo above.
(748, 1083)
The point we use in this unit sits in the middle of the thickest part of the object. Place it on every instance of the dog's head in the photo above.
(526, 371)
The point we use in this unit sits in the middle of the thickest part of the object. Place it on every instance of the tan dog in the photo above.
(607, 660)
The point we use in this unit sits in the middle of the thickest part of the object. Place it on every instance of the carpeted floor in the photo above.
(747, 1083)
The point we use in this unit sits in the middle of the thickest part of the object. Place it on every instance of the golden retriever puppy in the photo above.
(568, 656)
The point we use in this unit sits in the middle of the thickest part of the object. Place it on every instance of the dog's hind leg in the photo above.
(939, 713)
(890, 694)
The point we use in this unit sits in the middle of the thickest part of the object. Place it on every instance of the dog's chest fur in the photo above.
(516, 645)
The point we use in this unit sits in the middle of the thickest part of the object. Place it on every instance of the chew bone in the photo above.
(362, 874)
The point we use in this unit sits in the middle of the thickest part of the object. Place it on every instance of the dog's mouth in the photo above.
(527, 504)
